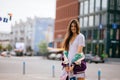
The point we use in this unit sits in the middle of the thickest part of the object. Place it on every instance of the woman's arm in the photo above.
(80, 51)
(81, 42)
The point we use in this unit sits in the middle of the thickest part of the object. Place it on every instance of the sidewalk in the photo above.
(37, 68)
(5, 76)
(36, 77)
(113, 61)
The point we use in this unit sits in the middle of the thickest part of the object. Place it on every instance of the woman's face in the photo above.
(73, 28)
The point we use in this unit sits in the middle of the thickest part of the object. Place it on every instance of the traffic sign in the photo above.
(114, 26)
(100, 26)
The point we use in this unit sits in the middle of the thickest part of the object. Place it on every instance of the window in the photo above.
(102, 34)
(117, 49)
(112, 4)
(104, 4)
(89, 34)
(117, 34)
(111, 33)
(88, 46)
(118, 19)
(85, 21)
(97, 6)
(104, 18)
(81, 22)
(97, 19)
(95, 48)
(118, 4)
(15, 39)
(86, 7)
(95, 34)
(81, 8)
(21, 38)
(101, 47)
(90, 20)
(85, 34)
(91, 6)
(111, 18)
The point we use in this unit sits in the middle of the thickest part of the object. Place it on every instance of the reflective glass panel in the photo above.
(81, 22)
(90, 20)
(97, 20)
(104, 18)
(104, 4)
(86, 7)
(97, 5)
(118, 4)
(81, 8)
(85, 21)
(91, 6)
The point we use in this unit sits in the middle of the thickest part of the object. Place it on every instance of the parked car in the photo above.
(12, 53)
(52, 56)
(5, 53)
(96, 59)
(59, 56)
(88, 57)
(93, 59)
(54, 53)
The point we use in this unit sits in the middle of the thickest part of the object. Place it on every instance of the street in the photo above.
(37, 68)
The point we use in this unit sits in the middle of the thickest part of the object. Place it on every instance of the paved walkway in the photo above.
(35, 77)
(34, 63)
(26, 77)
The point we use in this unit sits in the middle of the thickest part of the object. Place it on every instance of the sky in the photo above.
(21, 9)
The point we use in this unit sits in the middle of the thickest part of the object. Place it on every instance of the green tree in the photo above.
(43, 48)
(9, 47)
(1, 47)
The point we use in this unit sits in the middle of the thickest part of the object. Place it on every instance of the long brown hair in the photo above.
(68, 36)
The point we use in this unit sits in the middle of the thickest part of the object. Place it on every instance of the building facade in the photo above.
(32, 32)
(43, 31)
(100, 23)
(65, 11)
(22, 32)
(5, 39)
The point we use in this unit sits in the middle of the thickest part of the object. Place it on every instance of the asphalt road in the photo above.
(37, 68)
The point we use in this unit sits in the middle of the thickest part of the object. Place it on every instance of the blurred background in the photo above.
(35, 29)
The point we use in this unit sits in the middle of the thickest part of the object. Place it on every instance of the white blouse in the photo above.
(79, 41)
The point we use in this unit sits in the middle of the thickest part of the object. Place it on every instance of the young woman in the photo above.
(73, 55)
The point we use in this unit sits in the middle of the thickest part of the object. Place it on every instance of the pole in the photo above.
(23, 68)
(53, 71)
(99, 74)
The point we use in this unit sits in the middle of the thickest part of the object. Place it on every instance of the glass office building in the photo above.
(100, 23)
